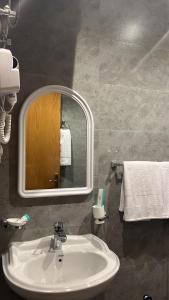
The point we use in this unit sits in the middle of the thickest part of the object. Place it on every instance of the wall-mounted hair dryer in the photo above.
(9, 73)
(9, 87)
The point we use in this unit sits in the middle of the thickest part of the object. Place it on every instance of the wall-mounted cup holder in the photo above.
(99, 214)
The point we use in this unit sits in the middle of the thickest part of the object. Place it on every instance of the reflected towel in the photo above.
(65, 147)
(145, 190)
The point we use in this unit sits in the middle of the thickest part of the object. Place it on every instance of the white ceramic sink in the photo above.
(81, 270)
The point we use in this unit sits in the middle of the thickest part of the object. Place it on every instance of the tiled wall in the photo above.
(115, 53)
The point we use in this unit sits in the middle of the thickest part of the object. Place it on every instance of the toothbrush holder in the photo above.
(99, 214)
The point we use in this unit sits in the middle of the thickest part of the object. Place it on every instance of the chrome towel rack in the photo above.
(116, 163)
(117, 169)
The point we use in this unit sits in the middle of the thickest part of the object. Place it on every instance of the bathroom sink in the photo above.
(80, 270)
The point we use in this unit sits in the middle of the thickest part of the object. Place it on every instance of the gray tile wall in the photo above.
(115, 53)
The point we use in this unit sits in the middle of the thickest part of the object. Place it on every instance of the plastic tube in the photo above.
(5, 127)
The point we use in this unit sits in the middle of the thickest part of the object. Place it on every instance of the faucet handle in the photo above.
(58, 226)
(59, 230)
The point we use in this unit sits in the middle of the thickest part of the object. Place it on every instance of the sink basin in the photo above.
(81, 270)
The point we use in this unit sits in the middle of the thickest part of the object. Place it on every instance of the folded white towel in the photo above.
(145, 190)
(65, 147)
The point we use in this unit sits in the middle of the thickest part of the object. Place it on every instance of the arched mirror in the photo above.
(56, 132)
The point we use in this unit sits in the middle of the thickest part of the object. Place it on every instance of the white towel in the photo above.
(65, 147)
(145, 190)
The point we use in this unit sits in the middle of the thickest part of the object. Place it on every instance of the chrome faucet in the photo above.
(59, 236)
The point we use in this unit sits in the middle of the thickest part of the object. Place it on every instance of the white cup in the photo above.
(98, 212)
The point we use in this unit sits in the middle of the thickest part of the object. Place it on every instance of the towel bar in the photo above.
(117, 168)
(116, 163)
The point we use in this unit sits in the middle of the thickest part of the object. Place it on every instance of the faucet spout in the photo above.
(57, 244)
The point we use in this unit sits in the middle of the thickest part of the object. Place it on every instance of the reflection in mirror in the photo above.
(56, 143)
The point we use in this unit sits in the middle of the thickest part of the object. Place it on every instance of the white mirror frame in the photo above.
(22, 147)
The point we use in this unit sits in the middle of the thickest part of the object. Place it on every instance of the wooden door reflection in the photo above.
(43, 142)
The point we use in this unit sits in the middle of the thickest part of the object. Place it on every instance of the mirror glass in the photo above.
(56, 133)
(56, 146)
